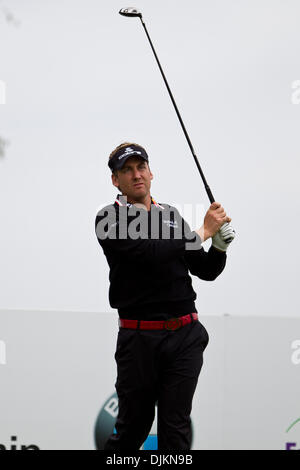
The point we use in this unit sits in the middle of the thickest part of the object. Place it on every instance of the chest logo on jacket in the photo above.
(171, 223)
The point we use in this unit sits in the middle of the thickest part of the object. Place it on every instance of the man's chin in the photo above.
(139, 194)
(140, 191)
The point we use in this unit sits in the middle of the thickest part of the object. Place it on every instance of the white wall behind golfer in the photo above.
(80, 79)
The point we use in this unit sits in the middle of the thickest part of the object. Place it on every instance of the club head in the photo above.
(130, 11)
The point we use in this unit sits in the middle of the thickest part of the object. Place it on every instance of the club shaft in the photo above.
(207, 188)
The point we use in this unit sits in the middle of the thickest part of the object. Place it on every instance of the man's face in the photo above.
(134, 179)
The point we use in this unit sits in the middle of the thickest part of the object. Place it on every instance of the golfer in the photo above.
(151, 250)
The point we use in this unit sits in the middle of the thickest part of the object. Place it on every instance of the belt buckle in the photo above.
(173, 324)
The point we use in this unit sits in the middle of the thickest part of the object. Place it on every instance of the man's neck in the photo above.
(143, 202)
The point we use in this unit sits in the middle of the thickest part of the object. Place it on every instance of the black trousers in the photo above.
(160, 366)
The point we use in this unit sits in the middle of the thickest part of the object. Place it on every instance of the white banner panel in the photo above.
(57, 375)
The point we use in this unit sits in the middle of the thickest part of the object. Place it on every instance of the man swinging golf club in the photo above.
(150, 250)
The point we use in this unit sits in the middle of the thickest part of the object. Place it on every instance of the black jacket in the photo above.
(150, 254)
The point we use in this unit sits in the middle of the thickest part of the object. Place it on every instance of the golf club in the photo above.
(132, 13)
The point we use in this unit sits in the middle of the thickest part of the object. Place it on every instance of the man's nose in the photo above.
(136, 173)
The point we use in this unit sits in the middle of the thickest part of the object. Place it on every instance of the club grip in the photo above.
(209, 193)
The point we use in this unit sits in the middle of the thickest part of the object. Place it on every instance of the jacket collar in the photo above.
(120, 201)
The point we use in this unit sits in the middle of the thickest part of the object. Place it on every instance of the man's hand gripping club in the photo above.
(217, 226)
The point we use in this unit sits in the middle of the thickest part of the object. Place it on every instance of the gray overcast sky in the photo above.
(80, 79)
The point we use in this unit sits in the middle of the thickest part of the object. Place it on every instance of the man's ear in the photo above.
(114, 180)
(151, 174)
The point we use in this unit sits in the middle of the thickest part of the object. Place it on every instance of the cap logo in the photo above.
(128, 151)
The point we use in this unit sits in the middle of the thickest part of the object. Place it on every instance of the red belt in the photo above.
(171, 324)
